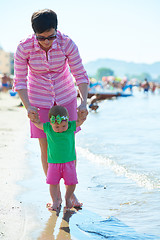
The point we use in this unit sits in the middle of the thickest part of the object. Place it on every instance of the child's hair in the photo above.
(58, 110)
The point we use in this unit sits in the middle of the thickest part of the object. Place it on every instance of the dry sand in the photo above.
(13, 126)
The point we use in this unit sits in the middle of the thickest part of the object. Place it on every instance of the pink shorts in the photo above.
(43, 115)
(67, 171)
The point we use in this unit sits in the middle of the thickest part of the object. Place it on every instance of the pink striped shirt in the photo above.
(51, 80)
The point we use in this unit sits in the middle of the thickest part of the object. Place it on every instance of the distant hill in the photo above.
(121, 68)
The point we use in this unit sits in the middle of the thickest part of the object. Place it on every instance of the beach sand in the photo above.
(13, 168)
(24, 193)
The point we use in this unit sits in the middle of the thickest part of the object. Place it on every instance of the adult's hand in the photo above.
(82, 109)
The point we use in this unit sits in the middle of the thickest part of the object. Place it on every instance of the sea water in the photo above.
(119, 152)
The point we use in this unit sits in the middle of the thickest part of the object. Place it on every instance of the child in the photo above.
(61, 153)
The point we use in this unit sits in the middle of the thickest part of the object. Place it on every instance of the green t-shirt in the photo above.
(61, 146)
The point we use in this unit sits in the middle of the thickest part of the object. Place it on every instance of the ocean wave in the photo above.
(113, 228)
(141, 179)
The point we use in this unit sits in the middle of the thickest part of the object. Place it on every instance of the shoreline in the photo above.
(24, 192)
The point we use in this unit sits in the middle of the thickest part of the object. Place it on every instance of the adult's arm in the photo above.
(79, 73)
(20, 79)
(24, 97)
(32, 111)
(83, 91)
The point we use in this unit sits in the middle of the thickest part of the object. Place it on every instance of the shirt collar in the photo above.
(37, 47)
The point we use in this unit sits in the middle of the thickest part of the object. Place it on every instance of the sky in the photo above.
(126, 30)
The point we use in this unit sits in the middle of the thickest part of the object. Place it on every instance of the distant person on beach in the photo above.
(93, 105)
(153, 87)
(5, 81)
(146, 85)
(61, 154)
(44, 64)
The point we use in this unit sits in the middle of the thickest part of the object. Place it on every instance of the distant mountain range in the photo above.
(121, 68)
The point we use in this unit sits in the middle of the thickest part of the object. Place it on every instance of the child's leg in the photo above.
(53, 178)
(70, 180)
(59, 198)
(75, 201)
(54, 195)
(69, 191)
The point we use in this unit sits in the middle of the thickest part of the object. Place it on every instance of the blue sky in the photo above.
(119, 29)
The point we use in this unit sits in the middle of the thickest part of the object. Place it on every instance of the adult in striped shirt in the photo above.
(45, 65)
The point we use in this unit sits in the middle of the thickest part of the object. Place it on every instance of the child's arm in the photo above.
(39, 125)
(79, 121)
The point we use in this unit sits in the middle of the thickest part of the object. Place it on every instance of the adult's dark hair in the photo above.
(44, 20)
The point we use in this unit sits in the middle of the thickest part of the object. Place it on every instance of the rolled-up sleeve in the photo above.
(75, 62)
(20, 68)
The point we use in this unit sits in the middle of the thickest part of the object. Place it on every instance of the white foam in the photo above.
(140, 179)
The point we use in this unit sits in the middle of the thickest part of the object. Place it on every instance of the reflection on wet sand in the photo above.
(64, 230)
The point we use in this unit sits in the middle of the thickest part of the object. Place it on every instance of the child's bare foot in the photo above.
(75, 202)
(49, 205)
(54, 206)
(69, 204)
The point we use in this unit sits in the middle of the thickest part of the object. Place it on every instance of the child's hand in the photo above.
(80, 118)
(82, 112)
(33, 113)
(35, 119)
